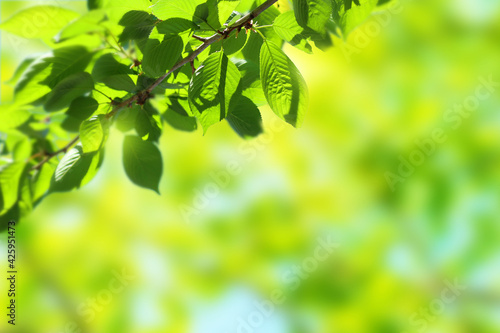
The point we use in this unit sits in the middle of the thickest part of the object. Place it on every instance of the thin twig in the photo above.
(48, 155)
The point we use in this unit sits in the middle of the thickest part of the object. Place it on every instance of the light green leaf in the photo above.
(29, 87)
(250, 81)
(39, 21)
(211, 88)
(185, 9)
(10, 177)
(113, 74)
(245, 118)
(117, 8)
(92, 134)
(67, 90)
(142, 162)
(287, 28)
(283, 85)
(75, 169)
(220, 10)
(349, 14)
(312, 13)
(21, 68)
(12, 116)
(87, 23)
(160, 57)
(42, 178)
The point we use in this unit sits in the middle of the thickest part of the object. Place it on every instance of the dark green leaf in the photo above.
(67, 61)
(82, 107)
(113, 74)
(175, 26)
(138, 25)
(148, 123)
(67, 90)
(245, 118)
(142, 162)
(177, 116)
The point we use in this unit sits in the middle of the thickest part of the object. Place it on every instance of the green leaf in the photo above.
(177, 116)
(211, 88)
(10, 177)
(92, 134)
(12, 116)
(245, 118)
(113, 74)
(94, 4)
(220, 10)
(86, 24)
(148, 123)
(117, 8)
(82, 107)
(142, 162)
(184, 9)
(232, 43)
(39, 21)
(287, 28)
(250, 81)
(251, 50)
(41, 180)
(138, 25)
(67, 90)
(160, 57)
(349, 14)
(21, 68)
(29, 87)
(312, 13)
(175, 26)
(283, 85)
(125, 118)
(75, 169)
(67, 61)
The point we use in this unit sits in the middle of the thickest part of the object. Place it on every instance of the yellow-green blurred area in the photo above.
(373, 99)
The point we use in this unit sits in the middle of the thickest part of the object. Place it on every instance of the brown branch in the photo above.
(241, 23)
(48, 156)
(141, 96)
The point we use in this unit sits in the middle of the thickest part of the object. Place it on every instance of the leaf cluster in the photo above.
(139, 65)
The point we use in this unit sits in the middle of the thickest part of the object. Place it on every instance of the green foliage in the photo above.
(142, 162)
(137, 64)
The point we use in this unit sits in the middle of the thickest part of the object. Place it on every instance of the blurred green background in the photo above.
(370, 102)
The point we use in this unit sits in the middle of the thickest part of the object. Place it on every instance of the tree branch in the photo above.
(241, 23)
(142, 96)
(48, 155)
